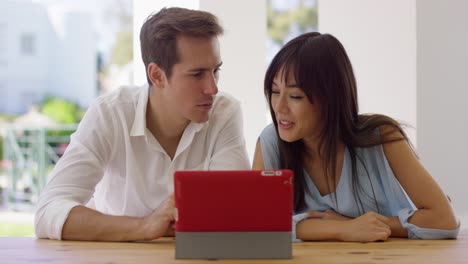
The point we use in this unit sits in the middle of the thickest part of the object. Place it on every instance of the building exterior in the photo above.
(43, 53)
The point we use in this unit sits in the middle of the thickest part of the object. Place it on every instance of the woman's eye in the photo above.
(297, 97)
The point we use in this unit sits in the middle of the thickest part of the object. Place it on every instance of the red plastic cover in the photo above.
(230, 201)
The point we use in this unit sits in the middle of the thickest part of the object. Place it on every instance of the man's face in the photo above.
(193, 84)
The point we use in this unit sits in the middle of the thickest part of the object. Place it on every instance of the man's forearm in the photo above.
(87, 224)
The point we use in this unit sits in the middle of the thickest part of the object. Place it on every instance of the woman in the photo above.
(352, 171)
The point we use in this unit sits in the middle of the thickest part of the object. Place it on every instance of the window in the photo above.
(289, 19)
(28, 44)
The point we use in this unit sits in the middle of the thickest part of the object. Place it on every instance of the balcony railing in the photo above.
(30, 153)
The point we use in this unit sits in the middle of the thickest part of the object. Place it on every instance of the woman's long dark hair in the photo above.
(321, 68)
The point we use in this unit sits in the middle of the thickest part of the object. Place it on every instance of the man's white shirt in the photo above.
(114, 162)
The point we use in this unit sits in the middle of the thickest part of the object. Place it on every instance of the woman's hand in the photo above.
(369, 227)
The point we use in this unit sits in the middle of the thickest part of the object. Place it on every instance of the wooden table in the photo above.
(32, 250)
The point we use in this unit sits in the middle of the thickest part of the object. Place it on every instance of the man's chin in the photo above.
(200, 119)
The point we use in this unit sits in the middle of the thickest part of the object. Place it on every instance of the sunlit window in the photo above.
(288, 19)
(74, 51)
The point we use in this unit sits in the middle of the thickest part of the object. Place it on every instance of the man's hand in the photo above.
(369, 227)
(161, 221)
(328, 215)
(170, 232)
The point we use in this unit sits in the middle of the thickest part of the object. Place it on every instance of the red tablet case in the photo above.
(233, 201)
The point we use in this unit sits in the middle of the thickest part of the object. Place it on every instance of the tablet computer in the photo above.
(233, 214)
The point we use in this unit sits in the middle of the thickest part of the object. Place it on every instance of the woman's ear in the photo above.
(156, 75)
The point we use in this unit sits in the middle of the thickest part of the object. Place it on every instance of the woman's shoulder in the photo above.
(269, 143)
(269, 133)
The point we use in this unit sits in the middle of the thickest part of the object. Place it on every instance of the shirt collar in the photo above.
(196, 126)
(139, 121)
(188, 136)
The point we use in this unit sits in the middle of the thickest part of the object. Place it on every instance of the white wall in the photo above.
(74, 74)
(4, 51)
(243, 51)
(26, 75)
(380, 38)
(61, 65)
(443, 94)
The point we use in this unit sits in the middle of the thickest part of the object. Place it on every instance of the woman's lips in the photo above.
(284, 124)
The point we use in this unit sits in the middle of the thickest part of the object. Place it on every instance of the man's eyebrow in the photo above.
(204, 69)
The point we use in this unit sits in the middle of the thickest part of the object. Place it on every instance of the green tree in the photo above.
(122, 52)
(119, 12)
(61, 110)
(5, 118)
(1, 148)
(280, 22)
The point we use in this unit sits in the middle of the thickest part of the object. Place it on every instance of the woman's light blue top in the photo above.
(380, 181)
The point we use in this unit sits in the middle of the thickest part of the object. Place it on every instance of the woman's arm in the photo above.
(393, 222)
(326, 226)
(369, 227)
(434, 210)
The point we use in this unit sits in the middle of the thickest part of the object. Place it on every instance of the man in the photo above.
(122, 158)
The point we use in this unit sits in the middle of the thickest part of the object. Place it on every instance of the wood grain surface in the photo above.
(33, 250)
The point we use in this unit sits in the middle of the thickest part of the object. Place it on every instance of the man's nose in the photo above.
(212, 85)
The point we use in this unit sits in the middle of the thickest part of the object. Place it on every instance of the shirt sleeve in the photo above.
(296, 220)
(416, 232)
(230, 152)
(73, 180)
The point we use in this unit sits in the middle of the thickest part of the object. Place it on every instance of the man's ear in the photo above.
(156, 75)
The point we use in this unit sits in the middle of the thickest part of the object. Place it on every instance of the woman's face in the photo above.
(296, 116)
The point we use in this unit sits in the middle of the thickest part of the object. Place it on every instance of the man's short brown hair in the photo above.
(158, 35)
